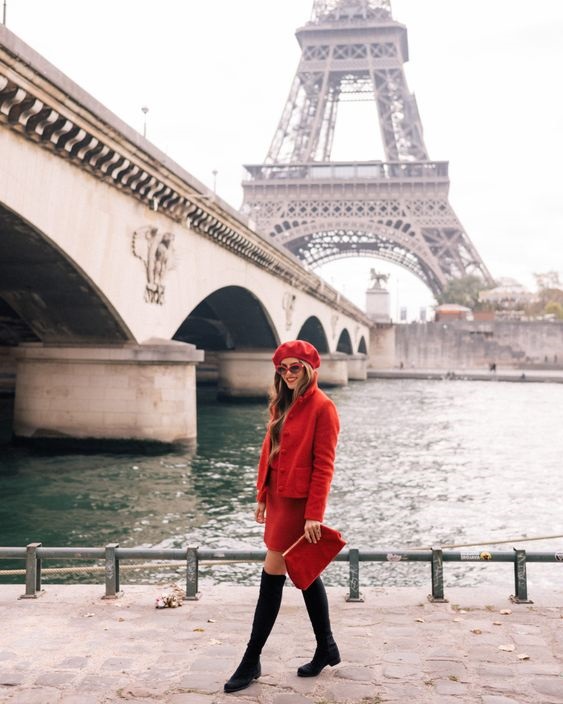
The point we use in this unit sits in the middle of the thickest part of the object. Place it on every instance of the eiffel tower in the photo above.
(397, 209)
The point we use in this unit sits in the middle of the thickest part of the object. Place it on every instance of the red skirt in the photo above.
(285, 518)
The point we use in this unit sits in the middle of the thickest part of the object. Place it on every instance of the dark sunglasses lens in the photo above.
(292, 369)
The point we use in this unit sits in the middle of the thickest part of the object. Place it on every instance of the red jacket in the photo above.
(306, 455)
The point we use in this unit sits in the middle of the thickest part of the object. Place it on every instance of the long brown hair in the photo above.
(281, 400)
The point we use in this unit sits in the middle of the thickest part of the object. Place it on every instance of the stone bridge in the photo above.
(119, 271)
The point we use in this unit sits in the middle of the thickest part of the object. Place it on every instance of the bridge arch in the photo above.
(312, 331)
(231, 317)
(344, 343)
(393, 240)
(45, 295)
(362, 347)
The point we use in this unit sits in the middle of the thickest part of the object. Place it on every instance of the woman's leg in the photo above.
(274, 563)
(267, 608)
(327, 651)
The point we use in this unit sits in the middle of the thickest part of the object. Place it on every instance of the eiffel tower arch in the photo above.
(397, 209)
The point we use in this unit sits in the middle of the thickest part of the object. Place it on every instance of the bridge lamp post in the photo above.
(144, 110)
(4, 12)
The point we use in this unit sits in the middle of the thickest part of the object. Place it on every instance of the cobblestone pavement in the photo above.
(71, 647)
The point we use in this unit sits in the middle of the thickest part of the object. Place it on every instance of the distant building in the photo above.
(484, 316)
(451, 311)
(509, 294)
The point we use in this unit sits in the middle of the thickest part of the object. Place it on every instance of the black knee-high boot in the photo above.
(327, 651)
(267, 608)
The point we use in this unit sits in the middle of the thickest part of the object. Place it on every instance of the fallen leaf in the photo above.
(214, 641)
(88, 615)
(462, 611)
(505, 612)
(457, 620)
(508, 648)
(121, 619)
(477, 631)
(199, 630)
(419, 620)
(523, 656)
(210, 620)
(497, 623)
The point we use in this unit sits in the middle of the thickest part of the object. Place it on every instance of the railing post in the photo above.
(112, 572)
(437, 566)
(354, 578)
(192, 573)
(520, 595)
(32, 573)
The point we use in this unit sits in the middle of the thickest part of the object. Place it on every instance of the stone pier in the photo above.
(334, 369)
(357, 367)
(382, 346)
(249, 374)
(126, 392)
(244, 374)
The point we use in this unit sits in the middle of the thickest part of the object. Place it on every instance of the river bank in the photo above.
(71, 647)
(552, 376)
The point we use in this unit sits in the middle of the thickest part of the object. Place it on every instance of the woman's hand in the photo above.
(260, 512)
(312, 531)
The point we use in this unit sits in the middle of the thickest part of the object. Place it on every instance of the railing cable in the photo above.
(489, 542)
(90, 569)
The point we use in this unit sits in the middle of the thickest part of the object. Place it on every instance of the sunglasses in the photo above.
(294, 368)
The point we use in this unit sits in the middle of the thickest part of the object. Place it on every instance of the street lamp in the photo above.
(144, 110)
(4, 12)
(214, 172)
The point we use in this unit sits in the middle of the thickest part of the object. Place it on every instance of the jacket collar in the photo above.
(313, 386)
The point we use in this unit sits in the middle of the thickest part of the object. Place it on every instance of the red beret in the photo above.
(298, 349)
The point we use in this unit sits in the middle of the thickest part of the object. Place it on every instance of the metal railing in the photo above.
(353, 170)
(192, 556)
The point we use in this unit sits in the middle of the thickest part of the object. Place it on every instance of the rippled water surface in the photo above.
(419, 463)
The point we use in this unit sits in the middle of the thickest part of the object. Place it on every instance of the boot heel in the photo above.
(334, 660)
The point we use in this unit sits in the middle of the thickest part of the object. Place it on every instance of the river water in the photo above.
(419, 463)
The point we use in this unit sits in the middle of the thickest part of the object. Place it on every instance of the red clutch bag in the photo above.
(305, 561)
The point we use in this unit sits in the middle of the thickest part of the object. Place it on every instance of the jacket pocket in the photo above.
(302, 479)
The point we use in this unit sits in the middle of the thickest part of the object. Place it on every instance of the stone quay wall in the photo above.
(475, 345)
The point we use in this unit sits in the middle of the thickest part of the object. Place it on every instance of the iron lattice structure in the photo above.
(396, 209)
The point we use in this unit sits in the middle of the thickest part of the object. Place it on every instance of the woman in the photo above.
(294, 476)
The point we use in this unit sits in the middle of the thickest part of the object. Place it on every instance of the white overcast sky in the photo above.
(215, 75)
